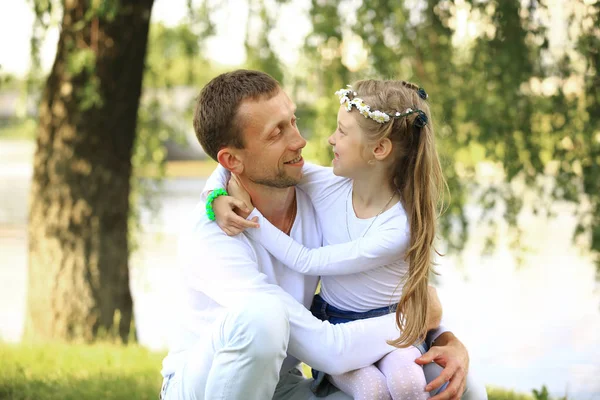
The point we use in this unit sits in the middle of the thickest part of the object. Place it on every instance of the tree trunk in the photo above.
(79, 204)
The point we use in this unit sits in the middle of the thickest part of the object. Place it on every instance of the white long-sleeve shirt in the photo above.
(221, 272)
(358, 273)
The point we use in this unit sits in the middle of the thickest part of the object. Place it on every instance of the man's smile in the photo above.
(296, 160)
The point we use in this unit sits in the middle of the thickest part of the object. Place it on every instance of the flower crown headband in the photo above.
(380, 116)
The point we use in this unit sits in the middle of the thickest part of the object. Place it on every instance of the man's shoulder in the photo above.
(200, 233)
(305, 207)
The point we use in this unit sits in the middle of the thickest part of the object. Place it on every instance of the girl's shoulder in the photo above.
(315, 172)
(321, 183)
(395, 218)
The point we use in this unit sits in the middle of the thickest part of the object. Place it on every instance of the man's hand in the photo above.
(452, 355)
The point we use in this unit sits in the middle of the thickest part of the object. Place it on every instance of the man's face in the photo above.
(273, 145)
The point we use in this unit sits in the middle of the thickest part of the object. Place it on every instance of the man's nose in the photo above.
(298, 142)
(331, 140)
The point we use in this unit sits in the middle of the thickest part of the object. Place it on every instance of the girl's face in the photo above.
(348, 145)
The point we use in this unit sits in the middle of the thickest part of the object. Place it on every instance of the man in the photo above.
(245, 325)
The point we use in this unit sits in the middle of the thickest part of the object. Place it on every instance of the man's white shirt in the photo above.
(221, 272)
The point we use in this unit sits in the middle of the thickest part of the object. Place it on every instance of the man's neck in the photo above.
(275, 204)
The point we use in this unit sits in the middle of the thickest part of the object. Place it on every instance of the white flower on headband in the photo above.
(360, 105)
(348, 105)
(379, 116)
(365, 110)
(343, 93)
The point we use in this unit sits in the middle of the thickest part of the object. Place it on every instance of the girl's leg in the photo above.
(363, 384)
(405, 378)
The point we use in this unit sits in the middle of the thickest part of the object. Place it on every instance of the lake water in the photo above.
(525, 326)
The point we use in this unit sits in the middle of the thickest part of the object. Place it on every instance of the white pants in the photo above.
(474, 390)
(243, 358)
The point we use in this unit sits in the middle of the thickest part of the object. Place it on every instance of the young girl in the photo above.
(378, 214)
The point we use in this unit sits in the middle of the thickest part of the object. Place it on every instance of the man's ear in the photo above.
(383, 149)
(230, 160)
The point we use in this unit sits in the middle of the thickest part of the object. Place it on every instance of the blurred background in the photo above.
(99, 165)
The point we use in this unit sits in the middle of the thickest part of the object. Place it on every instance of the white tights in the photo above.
(396, 376)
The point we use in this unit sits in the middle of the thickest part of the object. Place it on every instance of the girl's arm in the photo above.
(224, 206)
(374, 250)
(217, 180)
(317, 182)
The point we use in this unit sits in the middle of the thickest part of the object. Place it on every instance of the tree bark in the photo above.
(79, 200)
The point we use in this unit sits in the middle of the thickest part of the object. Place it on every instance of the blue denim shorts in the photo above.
(326, 312)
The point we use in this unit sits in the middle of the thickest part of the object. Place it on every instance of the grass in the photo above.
(75, 372)
(104, 371)
(18, 129)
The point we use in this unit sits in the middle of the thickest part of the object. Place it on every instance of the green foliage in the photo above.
(543, 394)
(502, 97)
(174, 57)
(105, 9)
(172, 61)
(83, 62)
(495, 393)
(259, 54)
(72, 372)
(6, 80)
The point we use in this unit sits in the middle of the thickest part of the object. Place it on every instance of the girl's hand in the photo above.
(237, 190)
(231, 213)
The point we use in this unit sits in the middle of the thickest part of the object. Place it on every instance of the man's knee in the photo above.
(475, 390)
(260, 327)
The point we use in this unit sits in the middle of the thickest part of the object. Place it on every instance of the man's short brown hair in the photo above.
(215, 120)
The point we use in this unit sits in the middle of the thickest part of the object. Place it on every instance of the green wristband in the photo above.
(210, 213)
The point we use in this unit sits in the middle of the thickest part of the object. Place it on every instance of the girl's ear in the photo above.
(382, 149)
(230, 160)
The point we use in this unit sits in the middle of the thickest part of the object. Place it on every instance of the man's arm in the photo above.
(225, 269)
(434, 312)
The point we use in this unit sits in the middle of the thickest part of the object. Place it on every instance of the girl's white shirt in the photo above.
(359, 272)
(356, 275)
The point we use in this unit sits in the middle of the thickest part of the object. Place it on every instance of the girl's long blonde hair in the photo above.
(417, 174)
